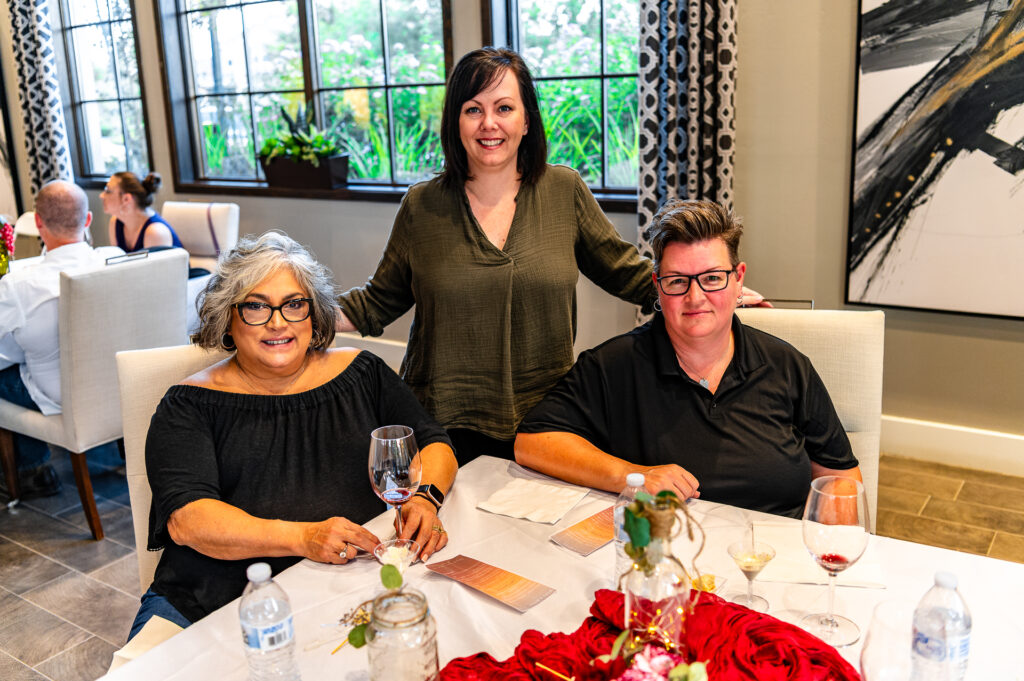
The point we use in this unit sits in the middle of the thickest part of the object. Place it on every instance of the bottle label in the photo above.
(941, 649)
(620, 528)
(270, 637)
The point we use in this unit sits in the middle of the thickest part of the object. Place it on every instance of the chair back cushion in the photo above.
(846, 349)
(144, 377)
(392, 352)
(191, 221)
(125, 306)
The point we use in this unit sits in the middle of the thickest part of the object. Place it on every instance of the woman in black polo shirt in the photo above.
(696, 401)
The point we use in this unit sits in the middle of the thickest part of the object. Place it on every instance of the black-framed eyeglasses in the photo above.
(679, 284)
(255, 313)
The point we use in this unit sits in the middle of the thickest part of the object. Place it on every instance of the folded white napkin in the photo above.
(533, 500)
(794, 564)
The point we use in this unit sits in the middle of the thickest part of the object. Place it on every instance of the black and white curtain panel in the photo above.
(46, 137)
(687, 115)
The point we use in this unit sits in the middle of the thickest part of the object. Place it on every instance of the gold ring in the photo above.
(438, 529)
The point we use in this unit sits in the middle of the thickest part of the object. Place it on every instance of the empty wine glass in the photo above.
(395, 466)
(751, 557)
(886, 655)
(836, 534)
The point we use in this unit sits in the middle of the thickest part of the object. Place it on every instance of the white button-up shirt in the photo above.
(29, 319)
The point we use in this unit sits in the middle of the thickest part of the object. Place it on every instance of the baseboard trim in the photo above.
(986, 450)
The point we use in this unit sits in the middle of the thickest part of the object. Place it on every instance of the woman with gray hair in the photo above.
(262, 456)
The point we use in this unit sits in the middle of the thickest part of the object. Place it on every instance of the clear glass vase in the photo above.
(402, 638)
(657, 591)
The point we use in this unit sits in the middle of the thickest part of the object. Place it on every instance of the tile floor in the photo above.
(67, 602)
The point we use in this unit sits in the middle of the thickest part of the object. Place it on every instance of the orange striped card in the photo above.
(589, 534)
(509, 588)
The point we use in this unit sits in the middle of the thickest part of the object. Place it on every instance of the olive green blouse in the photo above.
(493, 329)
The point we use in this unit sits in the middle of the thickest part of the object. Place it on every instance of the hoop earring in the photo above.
(657, 304)
(227, 341)
(739, 300)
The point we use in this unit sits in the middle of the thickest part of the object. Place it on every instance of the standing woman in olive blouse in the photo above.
(489, 253)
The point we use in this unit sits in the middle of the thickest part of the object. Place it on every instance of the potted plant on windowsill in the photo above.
(303, 156)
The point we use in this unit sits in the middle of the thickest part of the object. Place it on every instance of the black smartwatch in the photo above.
(432, 494)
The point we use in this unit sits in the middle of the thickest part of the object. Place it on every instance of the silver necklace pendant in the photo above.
(705, 383)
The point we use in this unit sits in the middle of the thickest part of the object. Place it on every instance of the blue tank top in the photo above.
(119, 234)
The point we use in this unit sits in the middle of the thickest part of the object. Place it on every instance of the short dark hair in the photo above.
(475, 72)
(690, 222)
(141, 190)
(251, 261)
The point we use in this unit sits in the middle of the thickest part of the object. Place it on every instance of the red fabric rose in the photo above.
(737, 644)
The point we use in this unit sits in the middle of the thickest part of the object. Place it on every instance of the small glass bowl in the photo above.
(398, 552)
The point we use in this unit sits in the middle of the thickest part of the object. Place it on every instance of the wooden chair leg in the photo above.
(10, 464)
(84, 484)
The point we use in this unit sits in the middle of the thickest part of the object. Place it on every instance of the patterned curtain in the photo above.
(687, 117)
(46, 137)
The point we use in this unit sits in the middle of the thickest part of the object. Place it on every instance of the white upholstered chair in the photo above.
(392, 352)
(846, 349)
(133, 304)
(144, 376)
(205, 229)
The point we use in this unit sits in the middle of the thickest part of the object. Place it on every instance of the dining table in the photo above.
(469, 621)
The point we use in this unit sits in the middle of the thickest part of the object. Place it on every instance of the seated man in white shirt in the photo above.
(29, 339)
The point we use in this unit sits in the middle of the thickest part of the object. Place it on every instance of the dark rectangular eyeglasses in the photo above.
(255, 313)
(710, 281)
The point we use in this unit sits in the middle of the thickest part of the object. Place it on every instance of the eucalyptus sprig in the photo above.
(391, 578)
(637, 524)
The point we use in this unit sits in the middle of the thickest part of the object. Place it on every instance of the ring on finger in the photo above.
(439, 529)
(344, 552)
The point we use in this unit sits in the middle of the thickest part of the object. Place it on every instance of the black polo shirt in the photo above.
(750, 444)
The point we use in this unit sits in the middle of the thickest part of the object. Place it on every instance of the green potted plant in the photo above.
(303, 156)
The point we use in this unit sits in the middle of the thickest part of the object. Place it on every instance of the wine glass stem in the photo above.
(831, 596)
(750, 591)
(398, 518)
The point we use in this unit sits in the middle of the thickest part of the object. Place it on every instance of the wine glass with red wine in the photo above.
(836, 533)
(395, 466)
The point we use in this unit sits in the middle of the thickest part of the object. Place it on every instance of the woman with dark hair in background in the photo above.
(489, 253)
(134, 225)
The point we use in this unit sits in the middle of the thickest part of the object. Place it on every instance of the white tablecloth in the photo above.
(469, 622)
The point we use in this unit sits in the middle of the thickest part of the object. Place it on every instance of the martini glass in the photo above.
(750, 558)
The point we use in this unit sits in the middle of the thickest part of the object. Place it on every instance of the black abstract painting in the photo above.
(937, 202)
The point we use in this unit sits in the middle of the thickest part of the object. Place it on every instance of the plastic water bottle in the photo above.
(942, 633)
(267, 630)
(634, 483)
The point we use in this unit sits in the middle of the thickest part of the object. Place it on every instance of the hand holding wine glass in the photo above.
(836, 533)
(395, 466)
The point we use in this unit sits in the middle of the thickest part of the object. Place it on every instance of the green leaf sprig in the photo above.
(391, 578)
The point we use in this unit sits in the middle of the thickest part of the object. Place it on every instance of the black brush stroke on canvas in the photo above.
(979, 75)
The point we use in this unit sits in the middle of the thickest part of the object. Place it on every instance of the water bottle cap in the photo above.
(258, 572)
(635, 480)
(946, 580)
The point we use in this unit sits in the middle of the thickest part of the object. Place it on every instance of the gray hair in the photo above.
(63, 207)
(241, 269)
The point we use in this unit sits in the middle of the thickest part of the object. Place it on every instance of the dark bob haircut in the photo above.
(690, 222)
(477, 71)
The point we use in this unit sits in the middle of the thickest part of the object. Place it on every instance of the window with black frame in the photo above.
(374, 71)
(106, 110)
(584, 58)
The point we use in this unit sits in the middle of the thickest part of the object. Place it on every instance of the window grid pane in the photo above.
(105, 87)
(377, 78)
(584, 57)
